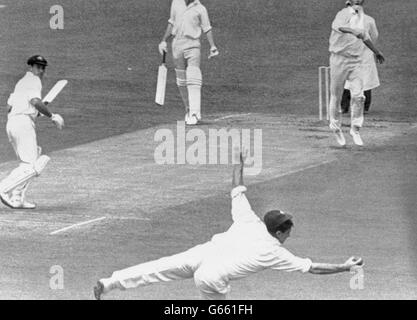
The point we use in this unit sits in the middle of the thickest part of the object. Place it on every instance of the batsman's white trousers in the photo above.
(194, 262)
(342, 69)
(22, 135)
(186, 53)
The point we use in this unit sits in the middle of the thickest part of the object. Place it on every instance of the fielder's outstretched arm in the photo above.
(330, 268)
(237, 179)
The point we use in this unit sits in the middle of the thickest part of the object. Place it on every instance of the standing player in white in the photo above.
(347, 39)
(25, 105)
(249, 246)
(188, 20)
(370, 71)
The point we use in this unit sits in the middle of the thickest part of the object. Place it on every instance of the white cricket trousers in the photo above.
(22, 135)
(342, 69)
(185, 265)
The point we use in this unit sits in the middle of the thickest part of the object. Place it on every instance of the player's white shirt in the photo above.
(189, 21)
(247, 247)
(346, 44)
(370, 72)
(27, 88)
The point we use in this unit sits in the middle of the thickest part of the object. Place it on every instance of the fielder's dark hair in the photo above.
(283, 227)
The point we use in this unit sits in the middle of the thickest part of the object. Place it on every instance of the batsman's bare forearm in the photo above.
(237, 175)
(327, 268)
(168, 33)
(41, 107)
(210, 38)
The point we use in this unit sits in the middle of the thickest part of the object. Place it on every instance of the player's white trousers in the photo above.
(22, 135)
(341, 69)
(185, 265)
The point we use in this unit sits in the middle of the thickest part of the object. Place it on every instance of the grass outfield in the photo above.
(269, 55)
(270, 52)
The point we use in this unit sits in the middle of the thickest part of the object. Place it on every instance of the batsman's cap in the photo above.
(37, 59)
(273, 219)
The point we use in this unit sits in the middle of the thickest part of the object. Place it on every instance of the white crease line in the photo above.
(233, 115)
(77, 225)
(303, 169)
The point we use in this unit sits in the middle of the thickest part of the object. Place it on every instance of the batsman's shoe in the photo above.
(356, 137)
(7, 201)
(98, 290)
(27, 205)
(15, 203)
(193, 120)
(340, 138)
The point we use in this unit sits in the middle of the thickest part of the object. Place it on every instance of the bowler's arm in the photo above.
(366, 40)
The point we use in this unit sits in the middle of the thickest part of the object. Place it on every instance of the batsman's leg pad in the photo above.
(41, 163)
(17, 177)
(181, 78)
(194, 76)
(182, 87)
(194, 84)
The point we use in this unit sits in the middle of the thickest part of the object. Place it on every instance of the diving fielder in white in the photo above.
(25, 105)
(188, 20)
(347, 39)
(249, 246)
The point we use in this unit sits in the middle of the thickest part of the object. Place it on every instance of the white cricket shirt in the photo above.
(247, 247)
(345, 44)
(189, 21)
(27, 88)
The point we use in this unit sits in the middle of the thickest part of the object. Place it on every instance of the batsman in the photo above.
(188, 20)
(24, 106)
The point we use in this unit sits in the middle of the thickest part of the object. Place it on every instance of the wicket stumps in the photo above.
(324, 91)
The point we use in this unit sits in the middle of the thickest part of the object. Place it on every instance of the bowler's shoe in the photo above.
(356, 137)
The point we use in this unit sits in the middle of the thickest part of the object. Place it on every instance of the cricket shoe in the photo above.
(27, 205)
(7, 201)
(340, 138)
(192, 121)
(98, 290)
(15, 203)
(356, 137)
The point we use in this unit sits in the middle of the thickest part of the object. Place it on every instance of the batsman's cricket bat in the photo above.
(56, 89)
(162, 82)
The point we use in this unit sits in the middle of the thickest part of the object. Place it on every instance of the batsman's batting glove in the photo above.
(213, 52)
(163, 47)
(58, 120)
